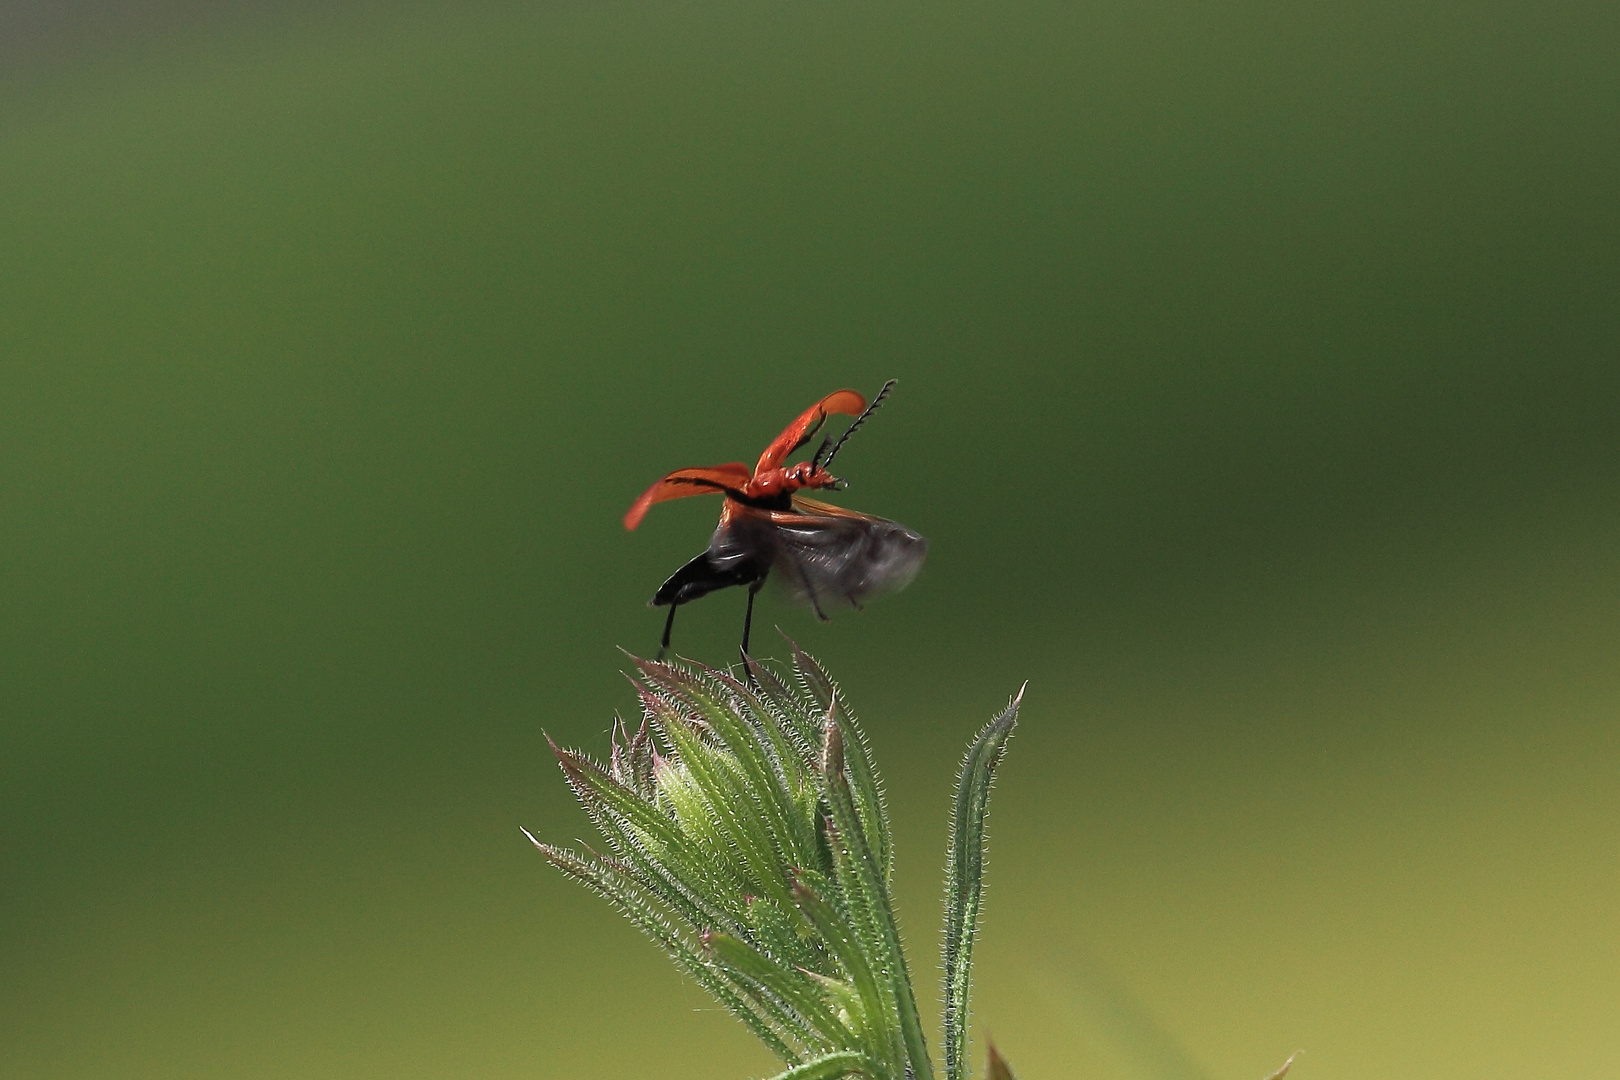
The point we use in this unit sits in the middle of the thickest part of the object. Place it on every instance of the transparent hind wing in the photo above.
(826, 556)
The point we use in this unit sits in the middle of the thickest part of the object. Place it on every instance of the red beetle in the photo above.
(822, 553)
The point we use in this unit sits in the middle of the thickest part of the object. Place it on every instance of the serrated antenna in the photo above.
(859, 420)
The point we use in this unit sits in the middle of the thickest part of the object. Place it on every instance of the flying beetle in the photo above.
(820, 553)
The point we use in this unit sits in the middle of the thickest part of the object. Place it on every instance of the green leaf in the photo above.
(859, 912)
(798, 720)
(867, 786)
(756, 851)
(790, 985)
(600, 793)
(883, 1042)
(871, 889)
(645, 836)
(731, 809)
(787, 757)
(830, 1067)
(844, 997)
(706, 856)
(964, 879)
(766, 784)
(786, 933)
(634, 904)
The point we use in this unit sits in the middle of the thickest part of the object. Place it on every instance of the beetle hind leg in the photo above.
(748, 613)
(699, 577)
(748, 623)
(669, 624)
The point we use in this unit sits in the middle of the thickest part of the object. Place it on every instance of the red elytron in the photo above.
(821, 552)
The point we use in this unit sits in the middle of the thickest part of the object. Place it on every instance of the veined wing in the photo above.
(826, 553)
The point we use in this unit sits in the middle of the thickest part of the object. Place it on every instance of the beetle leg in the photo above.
(669, 624)
(748, 615)
(810, 591)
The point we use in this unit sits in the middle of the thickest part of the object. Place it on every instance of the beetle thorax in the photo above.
(786, 481)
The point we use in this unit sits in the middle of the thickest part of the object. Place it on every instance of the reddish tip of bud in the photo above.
(997, 1068)
(566, 758)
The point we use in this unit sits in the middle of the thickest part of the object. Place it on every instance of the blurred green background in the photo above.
(1259, 371)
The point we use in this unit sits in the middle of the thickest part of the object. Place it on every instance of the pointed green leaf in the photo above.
(785, 933)
(799, 720)
(788, 984)
(844, 998)
(731, 810)
(623, 816)
(859, 909)
(634, 904)
(791, 758)
(883, 1041)
(871, 887)
(830, 1067)
(866, 785)
(964, 881)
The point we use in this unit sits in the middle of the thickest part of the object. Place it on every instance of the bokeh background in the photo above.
(1259, 372)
